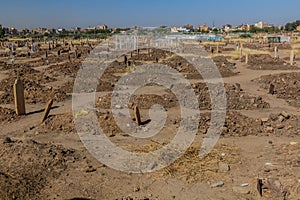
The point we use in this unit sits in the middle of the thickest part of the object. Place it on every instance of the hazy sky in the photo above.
(128, 13)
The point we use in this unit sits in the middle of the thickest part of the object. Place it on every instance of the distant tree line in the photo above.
(270, 29)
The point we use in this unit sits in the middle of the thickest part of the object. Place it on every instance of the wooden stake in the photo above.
(247, 58)
(47, 110)
(125, 59)
(137, 115)
(241, 53)
(292, 58)
(19, 97)
(275, 51)
(259, 187)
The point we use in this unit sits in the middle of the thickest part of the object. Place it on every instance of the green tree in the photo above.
(215, 30)
(291, 26)
(1, 32)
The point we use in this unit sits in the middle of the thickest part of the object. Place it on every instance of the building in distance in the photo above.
(102, 27)
(203, 28)
(261, 25)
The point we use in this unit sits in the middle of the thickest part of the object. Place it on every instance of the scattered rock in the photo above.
(279, 126)
(285, 115)
(281, 118)
(223, 167)
(8, 140)
(217, 184)
(90, 169)
(244, 184)
(136, 189)
(273, 117)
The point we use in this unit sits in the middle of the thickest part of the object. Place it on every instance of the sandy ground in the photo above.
(48, 160)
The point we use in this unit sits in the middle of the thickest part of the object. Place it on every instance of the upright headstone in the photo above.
(247, 58)
(271, 89)
(19, 97)
(137, 115)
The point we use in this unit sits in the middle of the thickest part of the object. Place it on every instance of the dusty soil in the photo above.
(260, 137)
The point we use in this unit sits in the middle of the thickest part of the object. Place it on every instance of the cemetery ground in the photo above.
(256, 157)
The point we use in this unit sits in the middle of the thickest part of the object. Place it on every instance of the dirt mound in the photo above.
(266, 62)
(225, 67)
(9, 66)
(150, 54)
(35, 89)
(62, 122)
(108, 124)
(237, 124)
(7, 115)
(269, 47)
(40, 164)
(237, 99)
(170, 59)
(28, 74)
(286, 86)
(33, 92)
(65, 69)
(34, 86)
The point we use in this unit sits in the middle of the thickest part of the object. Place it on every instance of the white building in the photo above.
(180, 29)
(261, 25)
